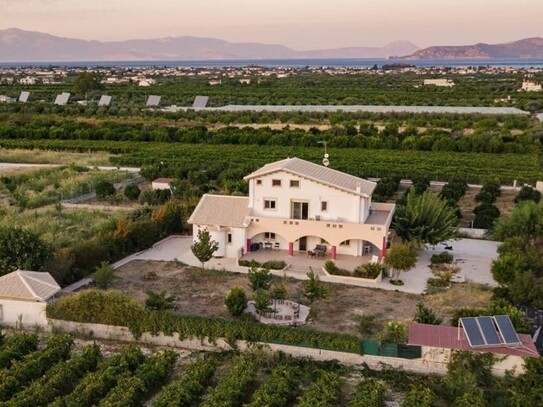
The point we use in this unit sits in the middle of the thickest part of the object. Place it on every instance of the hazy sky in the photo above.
(300, 24)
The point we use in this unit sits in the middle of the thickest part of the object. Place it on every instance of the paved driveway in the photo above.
(475, 258)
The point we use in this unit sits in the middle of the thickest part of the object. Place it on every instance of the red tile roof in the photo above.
(163, 180)
(450, 337)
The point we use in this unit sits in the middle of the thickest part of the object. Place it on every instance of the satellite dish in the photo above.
(326, 162)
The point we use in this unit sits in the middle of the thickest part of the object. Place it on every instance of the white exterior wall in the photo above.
(341, 205)
(234, 249)
(33, 313)
(220, 235)
(160, 185)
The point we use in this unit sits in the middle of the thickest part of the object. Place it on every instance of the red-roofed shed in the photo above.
(449, 337)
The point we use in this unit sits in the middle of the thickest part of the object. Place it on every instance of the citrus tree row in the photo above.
(221, 163)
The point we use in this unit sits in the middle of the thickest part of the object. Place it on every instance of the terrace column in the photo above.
(333, 252)
(248, 245)
(291, 248)
(384, 248)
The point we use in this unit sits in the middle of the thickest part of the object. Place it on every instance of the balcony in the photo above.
(333, 231)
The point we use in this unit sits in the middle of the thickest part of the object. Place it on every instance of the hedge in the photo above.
(116, 308)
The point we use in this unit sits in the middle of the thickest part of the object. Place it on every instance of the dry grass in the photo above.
(459, 296)
(202, 292)
(37, 156)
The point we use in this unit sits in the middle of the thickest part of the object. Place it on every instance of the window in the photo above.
(345, 243)
(324, 206)
(323, 241)
(270, 204)
(276, 182)
(258, 182)
(294, 183)
(229, 238)
(269, 235)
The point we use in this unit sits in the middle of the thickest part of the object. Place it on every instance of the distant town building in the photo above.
(448, 83)
(245, 81)
(214, 82)
(530, 86)
(28, 80)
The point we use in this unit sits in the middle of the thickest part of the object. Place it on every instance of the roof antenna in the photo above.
(325, 160)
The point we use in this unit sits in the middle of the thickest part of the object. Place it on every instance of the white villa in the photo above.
(297, 206)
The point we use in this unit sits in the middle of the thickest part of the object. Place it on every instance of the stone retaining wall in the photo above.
(433, 360)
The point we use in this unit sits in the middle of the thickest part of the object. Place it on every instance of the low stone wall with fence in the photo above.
(431, 360)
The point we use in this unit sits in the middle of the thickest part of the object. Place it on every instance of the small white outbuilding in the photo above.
(24, 296)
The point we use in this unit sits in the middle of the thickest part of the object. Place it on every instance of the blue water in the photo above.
(294, 63)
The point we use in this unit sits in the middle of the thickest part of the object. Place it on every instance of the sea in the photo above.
(287, 63)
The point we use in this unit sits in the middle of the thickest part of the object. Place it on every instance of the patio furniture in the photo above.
(268, 245)
(276, 246)
(367, 249)
(320, 250)
(311, 254)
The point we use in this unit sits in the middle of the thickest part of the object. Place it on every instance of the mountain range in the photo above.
(529, 48)
(28, 46)
(18, 45)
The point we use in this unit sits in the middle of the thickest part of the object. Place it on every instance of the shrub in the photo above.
(425, 315)
(331, 268)
(485, 216)
(368, 270)
(394, 332)
(274, 264)
(249, 263)
(420, 397)
(442, 258)
(366, 325)
(104, 275)
(260, 279)
(132, 192)
(236, 301)
(159, 301)
(368, 393)
(528, 194)
(104, 189)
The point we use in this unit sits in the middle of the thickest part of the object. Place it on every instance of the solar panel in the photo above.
(507, 330)
(105, 100)
(200, 101)
(153, 100)
(62, 99)
(23, 97)
(471, 328)
(488, 329)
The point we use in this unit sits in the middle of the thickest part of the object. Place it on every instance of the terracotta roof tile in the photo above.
(28, 285)
(319, 173)
(221, 210)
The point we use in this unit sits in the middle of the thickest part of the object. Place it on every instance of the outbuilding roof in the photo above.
(318, 173)
(28, 286)
(450, 337)
(221, 210)
(163, 180)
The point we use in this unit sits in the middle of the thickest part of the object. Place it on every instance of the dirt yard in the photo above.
(202, 292)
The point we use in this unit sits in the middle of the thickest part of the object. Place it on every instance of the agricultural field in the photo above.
(178, 159)
(53, 157)
(301, 87)
(63, 371)
(33, 188)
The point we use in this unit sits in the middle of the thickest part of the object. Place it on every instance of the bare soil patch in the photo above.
(202, 292)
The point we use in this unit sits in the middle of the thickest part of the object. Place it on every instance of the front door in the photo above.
(302, 244)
